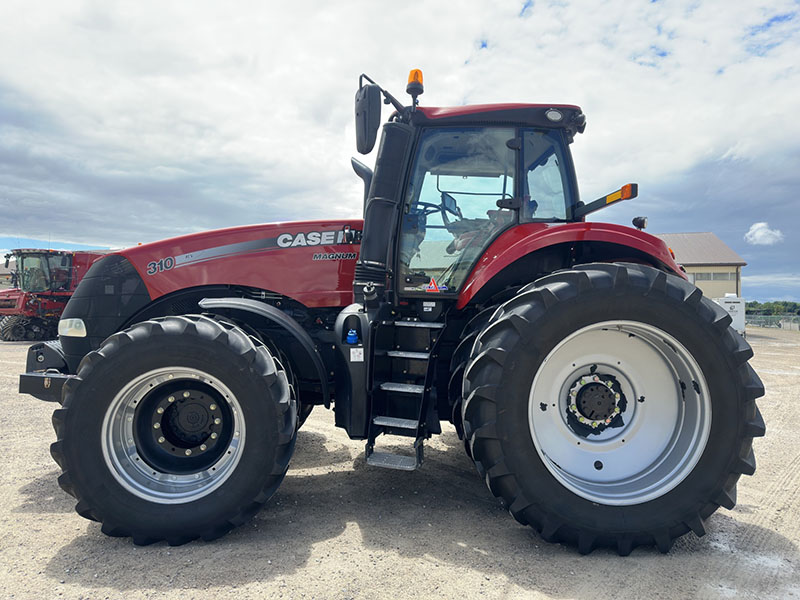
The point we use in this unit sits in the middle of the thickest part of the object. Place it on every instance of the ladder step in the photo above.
(403, 388)
(407, 354)
(392, 461)
(426, 324)
(396, 422)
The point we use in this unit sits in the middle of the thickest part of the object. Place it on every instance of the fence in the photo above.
(791, 322)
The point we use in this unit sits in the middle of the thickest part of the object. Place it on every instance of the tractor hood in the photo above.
(308, 261)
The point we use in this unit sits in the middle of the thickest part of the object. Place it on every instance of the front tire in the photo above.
(612, 405)
(176, 428)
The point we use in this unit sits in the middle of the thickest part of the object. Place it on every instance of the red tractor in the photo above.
(602, 398)
(41, 285)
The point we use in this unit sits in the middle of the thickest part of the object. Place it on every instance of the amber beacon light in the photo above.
(414, 87)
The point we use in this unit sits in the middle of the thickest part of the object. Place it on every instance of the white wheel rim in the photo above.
(662, 427)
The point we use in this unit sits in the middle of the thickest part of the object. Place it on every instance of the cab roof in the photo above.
(514, 114)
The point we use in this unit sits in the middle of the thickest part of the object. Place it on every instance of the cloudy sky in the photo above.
(128, 122)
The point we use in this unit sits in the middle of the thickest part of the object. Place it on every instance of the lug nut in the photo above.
(156, 425)
(213, 436)
(217, 421)
(161, 440)
(160, 410)
(213, 407)
(186, 394)
(171, 399)
(188, 452)
(203, 446)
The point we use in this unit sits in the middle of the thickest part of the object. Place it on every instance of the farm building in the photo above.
(709, 262)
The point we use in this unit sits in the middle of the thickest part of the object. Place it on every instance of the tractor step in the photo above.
(402, 462)
(402, 388)
(392, 461)
(396, 422)
(425, 324)
(409, 355)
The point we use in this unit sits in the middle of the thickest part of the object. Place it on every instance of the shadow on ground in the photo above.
(442, 513)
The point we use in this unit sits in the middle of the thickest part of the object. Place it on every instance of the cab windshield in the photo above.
(43, 272)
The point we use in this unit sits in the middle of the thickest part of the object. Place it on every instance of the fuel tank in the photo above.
(309, 261)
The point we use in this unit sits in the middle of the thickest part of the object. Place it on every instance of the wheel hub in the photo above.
(594, 402)
(185, 422)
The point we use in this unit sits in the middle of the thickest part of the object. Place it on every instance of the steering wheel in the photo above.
(428, 208)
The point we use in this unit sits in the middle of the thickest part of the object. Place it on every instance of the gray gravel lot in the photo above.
(337, 529)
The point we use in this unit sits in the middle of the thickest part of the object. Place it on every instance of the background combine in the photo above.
(42, 282)
(602, 398)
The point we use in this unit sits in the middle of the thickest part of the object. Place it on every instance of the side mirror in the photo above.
(368, 117)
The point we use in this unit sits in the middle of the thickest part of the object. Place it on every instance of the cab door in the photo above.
(458, 199)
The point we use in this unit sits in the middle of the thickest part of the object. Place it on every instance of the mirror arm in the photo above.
(389, 99)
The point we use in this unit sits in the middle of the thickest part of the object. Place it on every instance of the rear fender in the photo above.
(521, 241)
(247, 309)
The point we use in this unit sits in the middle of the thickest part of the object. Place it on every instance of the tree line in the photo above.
(779, 307)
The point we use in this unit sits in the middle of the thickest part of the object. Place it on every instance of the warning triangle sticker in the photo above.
(432, 287)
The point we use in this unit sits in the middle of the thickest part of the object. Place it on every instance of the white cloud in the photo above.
(760, 234)
(791, 280)
(133, 122)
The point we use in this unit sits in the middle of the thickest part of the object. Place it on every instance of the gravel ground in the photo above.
(337, 529)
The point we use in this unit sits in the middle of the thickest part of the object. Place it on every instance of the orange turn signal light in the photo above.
(629, 190)
(626, 192)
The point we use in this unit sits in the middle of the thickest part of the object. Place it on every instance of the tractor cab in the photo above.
(450, 181)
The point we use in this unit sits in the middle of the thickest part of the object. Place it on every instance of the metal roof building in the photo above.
(711, 264)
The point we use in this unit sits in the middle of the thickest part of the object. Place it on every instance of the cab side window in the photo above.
(544, 185)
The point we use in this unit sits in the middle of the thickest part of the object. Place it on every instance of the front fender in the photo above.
(278, 317)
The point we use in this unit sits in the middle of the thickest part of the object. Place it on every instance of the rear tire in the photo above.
(176, 428)
(612, 405)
